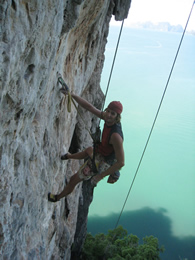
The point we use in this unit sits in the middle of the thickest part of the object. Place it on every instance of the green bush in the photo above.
(118, 245)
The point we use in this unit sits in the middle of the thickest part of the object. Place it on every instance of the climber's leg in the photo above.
(74, 180)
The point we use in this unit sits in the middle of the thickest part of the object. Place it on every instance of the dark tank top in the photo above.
(104, 147)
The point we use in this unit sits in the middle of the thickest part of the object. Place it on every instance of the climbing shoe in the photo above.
(52, 197)
(64, 157)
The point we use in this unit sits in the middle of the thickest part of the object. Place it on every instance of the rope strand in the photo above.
(154, 118)
(112, 67)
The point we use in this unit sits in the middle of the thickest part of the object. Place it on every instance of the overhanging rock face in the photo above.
(37, 40)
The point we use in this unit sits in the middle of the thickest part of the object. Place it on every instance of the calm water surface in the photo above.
(166, 177)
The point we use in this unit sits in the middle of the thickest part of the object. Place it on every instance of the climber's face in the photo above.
(110, 117)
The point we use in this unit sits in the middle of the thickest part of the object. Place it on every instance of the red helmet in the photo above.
(116, 106)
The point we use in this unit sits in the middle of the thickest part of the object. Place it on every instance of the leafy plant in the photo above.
(118, 245)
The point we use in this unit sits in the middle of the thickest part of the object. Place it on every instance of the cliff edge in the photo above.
(37, 40)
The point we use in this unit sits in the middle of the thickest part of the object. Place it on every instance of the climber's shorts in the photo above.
(86, 172)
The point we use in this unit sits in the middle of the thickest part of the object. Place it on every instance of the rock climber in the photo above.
(109, 155)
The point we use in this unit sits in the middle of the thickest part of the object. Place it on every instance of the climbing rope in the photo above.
(112, 67)
(131, 185)
(155, 117)
(65, 88)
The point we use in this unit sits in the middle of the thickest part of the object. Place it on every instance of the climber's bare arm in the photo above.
(88, 106)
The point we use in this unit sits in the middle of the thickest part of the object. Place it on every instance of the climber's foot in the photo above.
(65, 156)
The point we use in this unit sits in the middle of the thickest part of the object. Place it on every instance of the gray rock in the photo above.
(37, 40)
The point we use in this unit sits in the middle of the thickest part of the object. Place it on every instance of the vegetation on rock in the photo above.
(119, 245)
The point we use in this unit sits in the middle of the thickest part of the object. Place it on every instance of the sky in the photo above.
(173, 11)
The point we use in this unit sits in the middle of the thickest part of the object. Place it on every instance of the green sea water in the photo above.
(166, 177)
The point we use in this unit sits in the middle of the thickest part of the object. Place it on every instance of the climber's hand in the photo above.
(64, 91)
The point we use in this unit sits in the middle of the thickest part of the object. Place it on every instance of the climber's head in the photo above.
(116, 106)
(113, 112)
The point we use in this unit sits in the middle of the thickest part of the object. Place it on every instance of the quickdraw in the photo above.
(66, 88)
(96, 136)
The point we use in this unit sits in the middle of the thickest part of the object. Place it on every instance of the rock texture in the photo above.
(37, 40)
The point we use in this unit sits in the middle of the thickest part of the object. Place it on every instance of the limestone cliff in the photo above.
(39, 38)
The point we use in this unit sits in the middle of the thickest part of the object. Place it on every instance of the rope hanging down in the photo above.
(66, 88)
(113, 64)
(155, 117)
